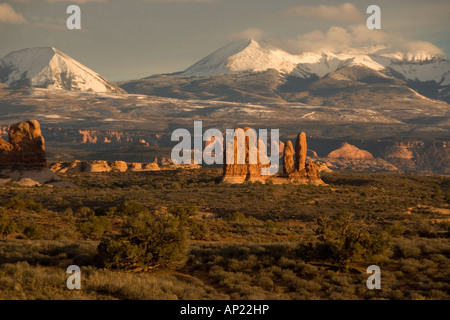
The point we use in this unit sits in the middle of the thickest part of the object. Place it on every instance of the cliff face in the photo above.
(88, 136)
(414, 156)
(429, 157)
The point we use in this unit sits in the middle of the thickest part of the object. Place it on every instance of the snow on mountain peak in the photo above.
(47, 67)
(244, 55)
(250, 55)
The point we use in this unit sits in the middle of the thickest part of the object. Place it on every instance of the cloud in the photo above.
(250, 33)
(8, 15)
(338, 39)
(345, 12)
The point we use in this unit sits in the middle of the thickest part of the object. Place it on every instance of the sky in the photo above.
(124, 40)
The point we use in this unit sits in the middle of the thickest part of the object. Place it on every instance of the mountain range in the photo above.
(249, 71)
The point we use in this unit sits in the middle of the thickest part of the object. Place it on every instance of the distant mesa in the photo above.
(47, 67)
(298, 172)
(350, 158)
(348, 151)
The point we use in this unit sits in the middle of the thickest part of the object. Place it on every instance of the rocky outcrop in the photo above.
(153, 166)
(25, 148)
(113, 166)
(97, 166)
(120, 166)
(135, 166)
(22, 159)
(301, 172)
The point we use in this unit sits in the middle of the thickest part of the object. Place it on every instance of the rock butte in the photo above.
(22, 159)
(301, 172)
(25, 148)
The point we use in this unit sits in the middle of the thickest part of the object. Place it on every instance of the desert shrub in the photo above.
(130, 208)
(16, 203)
(6, 225)
(239, 217)
(406, 249)
(343, 239)
(94, 226)
(146, 242)
(85, 212)
(183, 211)
(198, 229)
(269, 224)
(33, 231)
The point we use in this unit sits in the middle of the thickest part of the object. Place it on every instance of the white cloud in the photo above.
(344, 12)
(338, 39)
(250, 33)
(8, 15)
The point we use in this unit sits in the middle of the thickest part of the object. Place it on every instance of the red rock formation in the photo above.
(25, 147)
(303, 172)
(288, 158)
(300, 151)
(241, 169)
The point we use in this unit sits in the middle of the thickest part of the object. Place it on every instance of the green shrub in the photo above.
(33, 232)
(85, 212)
(16, 203)
(146, 242)
(6, 225)
(183, 211)
(94, 226)
(343, 239)
(198, 229)
(131, 208)
(238, 216)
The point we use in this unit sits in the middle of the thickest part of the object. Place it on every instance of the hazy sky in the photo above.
(132, 39)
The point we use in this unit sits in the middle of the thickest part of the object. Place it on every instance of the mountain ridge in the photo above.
(427, 74)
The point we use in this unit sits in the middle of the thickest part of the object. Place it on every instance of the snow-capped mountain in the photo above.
(47, 67)
(422, 71)
(250, 55)
(242, 56)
